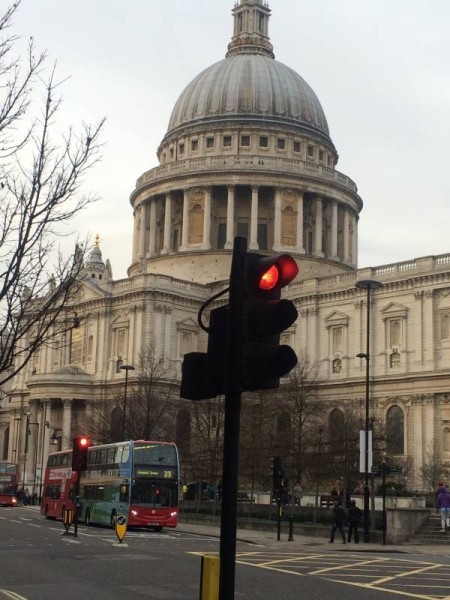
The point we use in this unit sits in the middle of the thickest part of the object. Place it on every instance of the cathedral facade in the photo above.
(247, 152)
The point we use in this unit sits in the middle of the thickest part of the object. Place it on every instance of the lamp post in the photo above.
(25, 452)
(125, 368)
(367, 284)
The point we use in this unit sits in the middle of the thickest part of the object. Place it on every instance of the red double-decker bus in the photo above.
(59, 485)
(9, 482)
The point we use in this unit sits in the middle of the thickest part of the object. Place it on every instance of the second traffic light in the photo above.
(80, 452)
(265, 317)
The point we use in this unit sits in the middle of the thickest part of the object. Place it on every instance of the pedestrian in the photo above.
(354, 518)
(338, 522)
(443, 505)
(298, 494)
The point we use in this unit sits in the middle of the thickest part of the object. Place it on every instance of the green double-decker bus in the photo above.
(139, 479)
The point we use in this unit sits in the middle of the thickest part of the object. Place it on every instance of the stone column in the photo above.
(334, 229)
(318, 229)
(277, 220)
(152, 234)
(66, 424)
(47, 433)
(167, 224)
(253, 245)
(32, 437)
(230, 218)
(300, 241)
(355, 240)
(185, 231)
(346, 236)
(207, 220)
(143, 231)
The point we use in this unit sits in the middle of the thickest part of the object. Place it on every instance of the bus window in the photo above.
(118, 457)
(123, 493)
(125, 454)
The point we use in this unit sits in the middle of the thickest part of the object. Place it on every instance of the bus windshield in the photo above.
(149, 495)
(154, 454)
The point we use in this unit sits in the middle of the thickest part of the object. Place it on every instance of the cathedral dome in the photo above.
(253, 87)
(249, 85)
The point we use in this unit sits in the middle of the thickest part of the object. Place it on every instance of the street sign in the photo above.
(120, 526)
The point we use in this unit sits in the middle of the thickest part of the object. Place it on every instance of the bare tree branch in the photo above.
(40, 181)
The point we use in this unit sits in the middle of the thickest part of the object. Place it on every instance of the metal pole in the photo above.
(125, 368)
(125, 404)
(232, 425)
(366, 447)
(44, 429)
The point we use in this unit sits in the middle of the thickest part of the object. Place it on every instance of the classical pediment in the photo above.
(394, 309)
(336, 318)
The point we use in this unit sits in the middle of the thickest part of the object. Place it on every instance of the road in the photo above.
(38, 561)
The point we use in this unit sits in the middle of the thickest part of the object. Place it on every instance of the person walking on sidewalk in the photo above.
(443, 505)
(354, 518)
(338, 522)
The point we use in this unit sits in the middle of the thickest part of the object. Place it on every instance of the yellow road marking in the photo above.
(382, 589)
(12, 595)
(406, 574)
(347, 566)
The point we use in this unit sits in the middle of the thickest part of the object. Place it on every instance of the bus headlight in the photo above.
(134, 513)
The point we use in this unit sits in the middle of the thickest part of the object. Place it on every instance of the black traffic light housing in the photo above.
(265, 316)
(278, 483)
(80, 452)
(203, 374)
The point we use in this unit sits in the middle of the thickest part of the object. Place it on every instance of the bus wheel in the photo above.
(113, 518)
(87, 517)
(46, 512)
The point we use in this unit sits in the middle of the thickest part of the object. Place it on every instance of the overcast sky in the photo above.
(381, 71)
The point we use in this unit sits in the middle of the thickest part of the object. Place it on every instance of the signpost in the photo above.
(120, 525)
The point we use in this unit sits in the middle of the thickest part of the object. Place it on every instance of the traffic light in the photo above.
(203, 374)
(79, 452)
(277, 477)
(265, 316)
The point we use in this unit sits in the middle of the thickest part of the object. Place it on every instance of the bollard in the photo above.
(291, 529)
(209, 578)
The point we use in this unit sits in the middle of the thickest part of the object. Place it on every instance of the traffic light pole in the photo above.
(232, 425)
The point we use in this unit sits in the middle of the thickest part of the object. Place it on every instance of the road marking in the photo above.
(12, 595)
(14, 521)
(33, 525)
(405, 574)
(346, 566)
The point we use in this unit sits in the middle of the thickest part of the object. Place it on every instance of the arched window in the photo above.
(446, 439)
(196, 225)
(395, 334)
(116, 424)
(288, 227)
(183, 432)
(395, 431)
(445, 327)
(336, 426)
(283, 433)
(5, 443)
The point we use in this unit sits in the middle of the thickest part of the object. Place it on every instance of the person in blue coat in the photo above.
(443, 505)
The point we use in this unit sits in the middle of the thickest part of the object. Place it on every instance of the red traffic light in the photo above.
(83, 441)
(274, 273)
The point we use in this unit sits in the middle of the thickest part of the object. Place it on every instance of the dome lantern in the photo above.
(251, 29)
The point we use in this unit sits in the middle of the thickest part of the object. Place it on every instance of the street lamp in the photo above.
(25, 450)
(125, 368)
(367, 284)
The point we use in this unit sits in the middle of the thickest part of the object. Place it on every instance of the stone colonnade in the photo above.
(293, 214)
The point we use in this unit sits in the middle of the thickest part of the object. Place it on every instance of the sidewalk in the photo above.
(268, 539)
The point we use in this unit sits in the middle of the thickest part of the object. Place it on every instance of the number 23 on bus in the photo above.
(139, 479)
